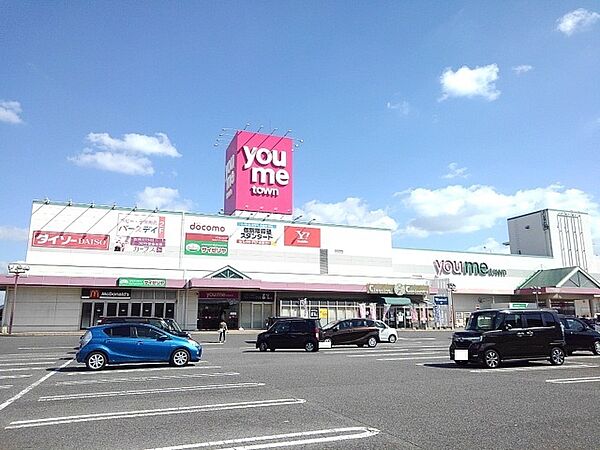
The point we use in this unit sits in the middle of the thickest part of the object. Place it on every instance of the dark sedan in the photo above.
(580, 336)
(351, 331)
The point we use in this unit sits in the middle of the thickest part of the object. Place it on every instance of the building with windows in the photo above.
(87, 261)
(254, 261)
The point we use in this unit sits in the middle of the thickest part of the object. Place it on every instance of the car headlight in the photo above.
(473, 339)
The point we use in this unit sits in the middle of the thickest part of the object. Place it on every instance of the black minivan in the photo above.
(494, 335)
(291, 333)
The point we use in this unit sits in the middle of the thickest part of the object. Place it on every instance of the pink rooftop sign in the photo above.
(258, 173)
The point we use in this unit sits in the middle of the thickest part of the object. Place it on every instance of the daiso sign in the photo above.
(258, 173)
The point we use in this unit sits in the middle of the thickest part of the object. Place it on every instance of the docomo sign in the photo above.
(258, 174)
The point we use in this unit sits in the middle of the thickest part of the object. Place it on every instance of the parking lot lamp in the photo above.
(451, 288)
(16, 269)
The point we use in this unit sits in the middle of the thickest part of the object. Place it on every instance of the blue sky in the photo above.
(436, 119)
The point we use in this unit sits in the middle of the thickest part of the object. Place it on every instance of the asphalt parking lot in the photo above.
(402, 395)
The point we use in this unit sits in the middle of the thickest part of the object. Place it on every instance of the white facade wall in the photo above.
(47, 308)
(149, 244)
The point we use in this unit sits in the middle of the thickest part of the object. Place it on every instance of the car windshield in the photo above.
(329, 325)
(483, 321)
(174, 325)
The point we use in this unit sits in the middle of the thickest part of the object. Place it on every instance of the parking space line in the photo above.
(413, 358)
(339, 434)
(152, 412)
(4, 377)
(44, 361)
(20, 369)
(365, 355)
(26, 356)
(6, 386)
(47, 348)
(382, 350)
(208, 387)
(136, 370)
(574, 380)
(535, 368)
(31, 386)
(137, 379)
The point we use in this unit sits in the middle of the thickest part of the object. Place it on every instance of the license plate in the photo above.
(461, 355)
(324, 344)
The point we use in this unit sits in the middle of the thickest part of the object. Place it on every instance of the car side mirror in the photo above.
(507, 327)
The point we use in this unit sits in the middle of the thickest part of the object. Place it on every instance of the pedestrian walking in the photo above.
(222, 331)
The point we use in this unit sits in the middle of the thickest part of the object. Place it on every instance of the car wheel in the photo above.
(491, 359)
(310, 346)
(596, 348)
(557, 356)
(263, 347)
(372, 342)
(180, 357)
(95, 361)
(272, 349)
(461, 363)
(392, 338)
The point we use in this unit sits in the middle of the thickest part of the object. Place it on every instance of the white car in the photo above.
(386, 333)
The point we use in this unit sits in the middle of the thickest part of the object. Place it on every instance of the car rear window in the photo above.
(122, 331)
(549, 319)
(534, 319)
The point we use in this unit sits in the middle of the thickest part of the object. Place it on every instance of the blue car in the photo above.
(133, 343)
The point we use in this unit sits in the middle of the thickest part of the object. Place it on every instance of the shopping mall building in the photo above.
(253, 261)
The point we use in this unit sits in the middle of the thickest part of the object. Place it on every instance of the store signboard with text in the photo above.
(142, 282)
(206, 244)
(61, 239)
(302, 237)
(258, 173)
(140, 233)
(256, 233)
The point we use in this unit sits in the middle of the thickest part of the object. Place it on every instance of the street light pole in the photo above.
(16, 269)
(451, 288)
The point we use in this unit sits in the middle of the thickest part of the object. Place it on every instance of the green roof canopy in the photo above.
(397, 301)
(562, 277)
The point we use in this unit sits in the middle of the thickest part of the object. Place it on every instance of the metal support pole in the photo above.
(13, 305)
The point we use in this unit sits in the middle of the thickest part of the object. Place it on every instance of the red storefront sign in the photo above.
(60, 239)
(302, 237)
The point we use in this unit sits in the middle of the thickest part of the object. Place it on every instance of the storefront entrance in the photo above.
(216, 306)
(254, 315)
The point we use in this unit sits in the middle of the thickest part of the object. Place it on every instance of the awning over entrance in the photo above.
(564, 280)
(396, 301)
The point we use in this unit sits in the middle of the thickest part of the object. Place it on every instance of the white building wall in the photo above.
(415, 264)
(47, 309)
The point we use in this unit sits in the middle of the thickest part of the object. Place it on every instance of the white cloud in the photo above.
(352, 211)
(577, 21)
(135, 143)
(490, 245)
(114, 162)
(128, 155)
(10, 112)
(524, 68)
(455, 171)
(13, 234)
(467, 82)
(403, 107)
(460, 209)
(162, 198)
